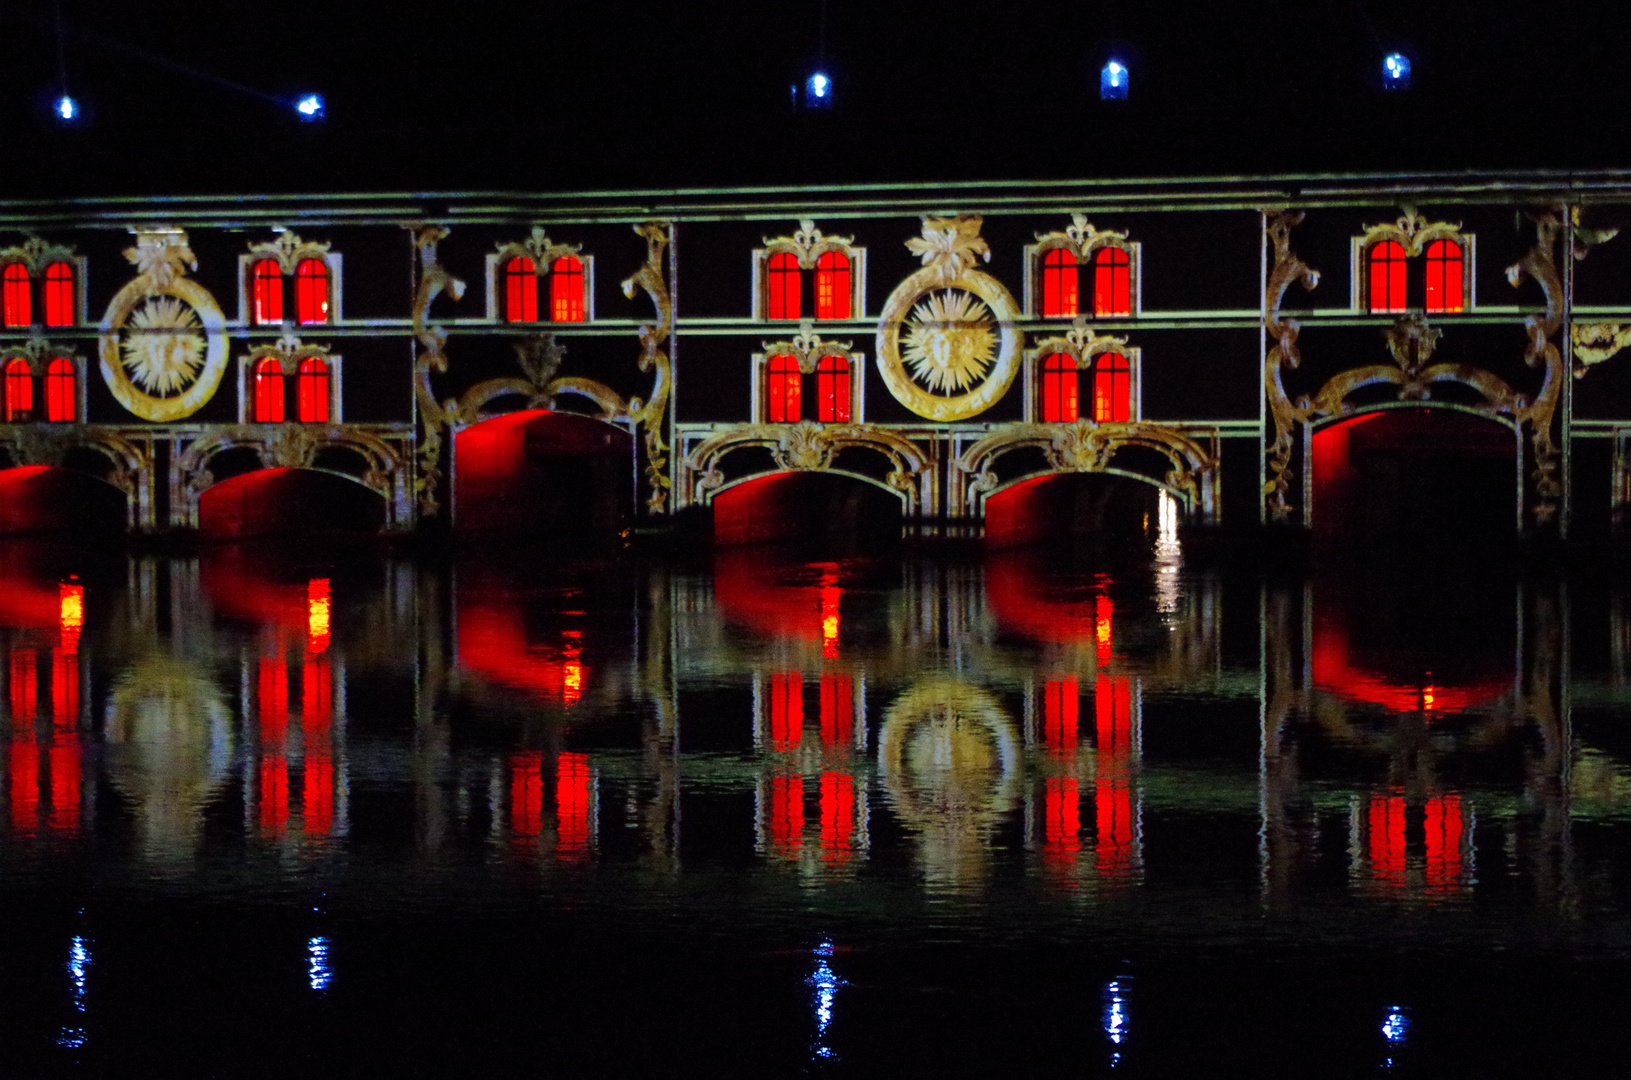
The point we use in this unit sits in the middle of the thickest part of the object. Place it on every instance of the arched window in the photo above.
(566, 290)
(1387, 277)
(832, 288)
(1061, 285)
(266, 282)
(520, 290)
(1059, 390)
(311, 394)
(1444, 273)
(268, 391)
(832, 390)
(61, 391)
(19, 391)
(15, 308)
(1112, 388)
(782, 390)
(1112, 282)
(59, 294)
(783, 292)
(311, 292)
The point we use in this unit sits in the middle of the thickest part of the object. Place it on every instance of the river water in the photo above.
(548, 812)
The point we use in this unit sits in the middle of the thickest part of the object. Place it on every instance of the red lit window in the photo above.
(1387, 277)
(267, 287)
(311, 394)
(1112, 388)
(782, 390)
(19, 391)
(782, 287)
(832, 286)
(60, 390)
(520, 290)
(59, 294)
(1059, 404)
(1112, 282)
(566, 290)
(268, 392)
(311, 291)
(832, 390)
(1061, 285)
(1444, 269)
(14, 296)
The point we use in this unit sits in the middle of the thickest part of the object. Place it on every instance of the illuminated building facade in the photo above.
(974, 359)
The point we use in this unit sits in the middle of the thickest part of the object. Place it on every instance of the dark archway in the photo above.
(805, 506)
(39, 499)
(1414, 473)
(1060, 505)
(540, 471)
(289, 502)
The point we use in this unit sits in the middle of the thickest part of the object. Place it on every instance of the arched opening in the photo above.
(284, 502)
(805, 506)
(39, 499)
(1066, 505)
(540, 471)
(1414, 473)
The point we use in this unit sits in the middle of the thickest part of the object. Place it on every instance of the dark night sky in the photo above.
(550, 96)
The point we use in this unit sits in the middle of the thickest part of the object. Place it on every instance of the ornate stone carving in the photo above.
(808, 243)
(1411, 232)
(1282, 332)
(1080, 238)
(289, 251)
(952, 324)
(808, 446)
(807, 347)
(434, 415)
(1597, 342)
(539, 248)
(37, 254)
(652, 413)
(163, 338)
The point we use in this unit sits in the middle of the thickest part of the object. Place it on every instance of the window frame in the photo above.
(1415, 234)
(1085, 349)
(76, 372)
(288, 251)
(544, 253)
(36, 257)
(809, 356)
(807, 245)
(288, 355)
(18, 370)
(15, 273)
(1083, 241)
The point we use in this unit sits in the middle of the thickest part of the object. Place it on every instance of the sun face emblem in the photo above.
(951, 341)
(164, 350)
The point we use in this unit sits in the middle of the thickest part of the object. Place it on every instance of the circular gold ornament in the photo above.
(163, 347)
(948, 349)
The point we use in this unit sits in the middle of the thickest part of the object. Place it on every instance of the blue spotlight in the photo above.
(1396, 72)
(309, 106)
(65, 109)
(818, 91)
(1113, 81)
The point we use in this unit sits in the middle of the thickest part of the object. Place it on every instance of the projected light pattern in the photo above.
(1113, 81)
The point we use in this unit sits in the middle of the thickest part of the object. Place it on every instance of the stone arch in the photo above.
(542, 470)
(887, 461)
(805, 505)
(102, 456)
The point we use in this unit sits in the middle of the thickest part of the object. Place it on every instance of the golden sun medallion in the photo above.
(164, 349)
(950, 342)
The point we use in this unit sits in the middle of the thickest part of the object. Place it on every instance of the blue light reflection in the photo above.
(1117, 1020)
(79, 966)
(318, 969)
(824, 983)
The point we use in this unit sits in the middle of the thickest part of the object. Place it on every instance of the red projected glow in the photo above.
(782, 287)
(25, 783)
(837, 816)
(1112, 282)
(1103, 635)
(494, 642)
(1112, 388)
(59, 294)
(572, 804)
(1335, 671)
(65, 781)
(753, 591)
(527, 793)
(61, 391)
(837, 710)
(832, 390)
(317, 804)
(311, 291)
(566, 296)
(786, 710)
(19, 391)
(274, 792)
(1061, 818)
(1112, 782)
(1061, 700)
(783, 404)
(16, 302)
(832, 286)
(1061, 285)
(319, 608)
(24, 685)
(1444, 276)
(274, 698)
(267, 288)
(520, 290)
(1444, 831)
(268, 391)
(1387, 847)
(1387, 277)
(1026, 602)
(311, 391)
(786, 812)
(1059, 389)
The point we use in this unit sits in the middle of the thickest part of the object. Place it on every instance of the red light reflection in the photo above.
(572, 805)
(837, 816)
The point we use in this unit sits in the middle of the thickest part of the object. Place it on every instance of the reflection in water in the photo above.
(950, 764)
(1060, 739)
(1395, 1032)
(824, 985)
(318, 972)
(74, 1036)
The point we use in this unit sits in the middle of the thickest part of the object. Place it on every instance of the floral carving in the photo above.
(952, 246)
(652, 413)
(807, 347)
(1080, 238)
(289, 251)
(808, 242)
(434, 415)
